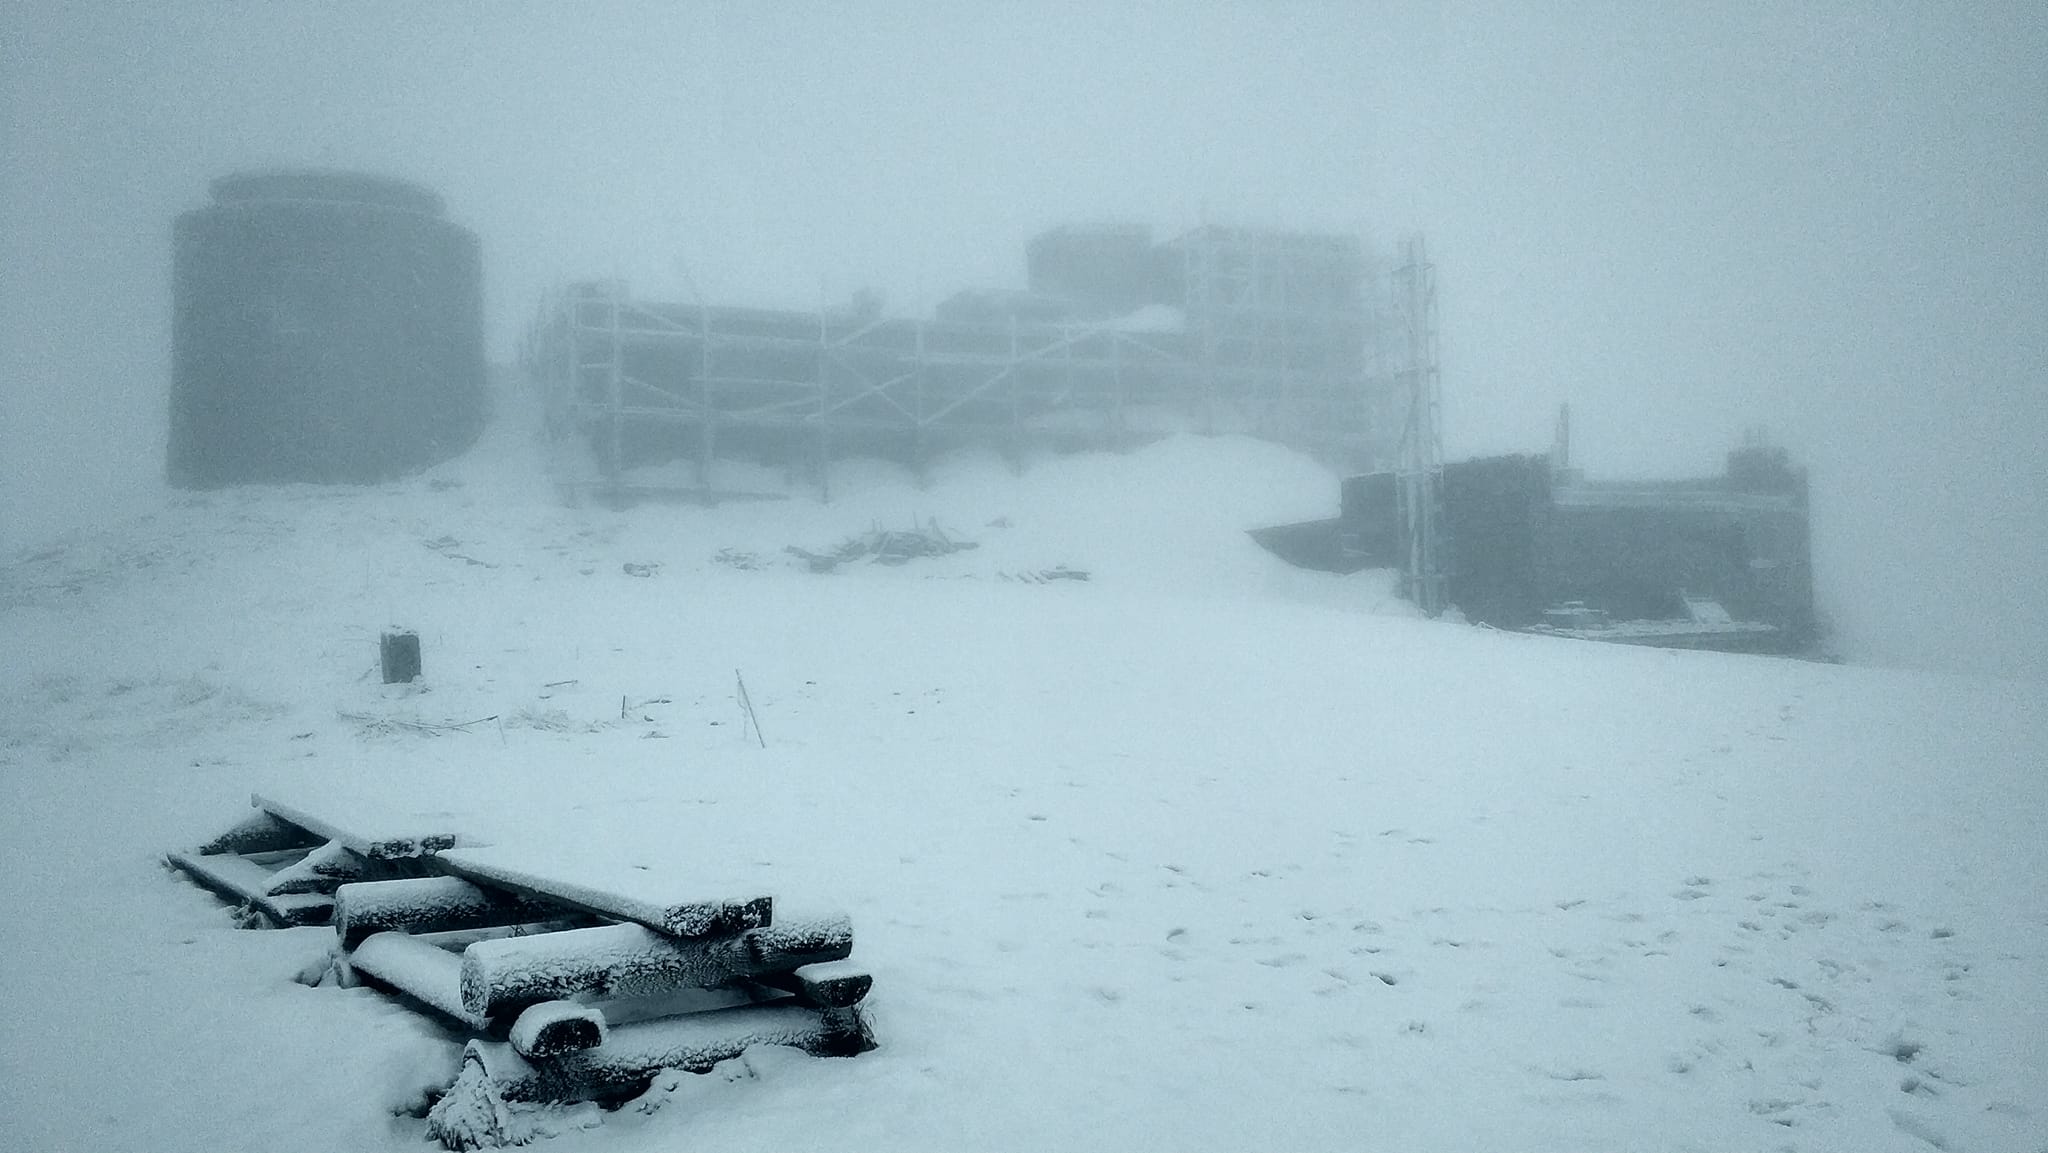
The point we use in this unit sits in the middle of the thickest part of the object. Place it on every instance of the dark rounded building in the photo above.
(327, 327)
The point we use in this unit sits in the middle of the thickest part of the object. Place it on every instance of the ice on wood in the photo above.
(620, 894)
(631, 960)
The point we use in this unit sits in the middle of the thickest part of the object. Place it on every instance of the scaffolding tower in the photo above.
(1265, 333)
(1421, 470)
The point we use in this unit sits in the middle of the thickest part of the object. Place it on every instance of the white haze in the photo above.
(1829, 219)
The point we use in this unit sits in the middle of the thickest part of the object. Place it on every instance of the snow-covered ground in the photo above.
(1202, 853)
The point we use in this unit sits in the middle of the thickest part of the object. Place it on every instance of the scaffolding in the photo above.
(1421, 471)
(1257, 332)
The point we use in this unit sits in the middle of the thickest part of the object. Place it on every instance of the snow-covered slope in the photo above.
(1202, 853)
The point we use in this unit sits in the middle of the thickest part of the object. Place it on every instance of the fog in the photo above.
(1828, 219)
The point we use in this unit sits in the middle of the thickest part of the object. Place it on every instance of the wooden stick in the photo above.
(748, 704)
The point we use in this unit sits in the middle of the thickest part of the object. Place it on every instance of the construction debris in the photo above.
(883, 546)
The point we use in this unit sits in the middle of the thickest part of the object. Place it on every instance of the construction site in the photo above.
(1117, 339)
(321, 337)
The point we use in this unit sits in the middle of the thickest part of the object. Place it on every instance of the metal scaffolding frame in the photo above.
(1421, 470)
(1275, 339)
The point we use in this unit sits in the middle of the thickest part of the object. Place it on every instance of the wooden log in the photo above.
(826, 985)
(456, 940)
(332, 865)
(632, 961)
(427, 904)
(259, 832)
(241, 880)
(431, 976)
(677, 918)
(553, 1028)
(382, 846)
(633, 1054)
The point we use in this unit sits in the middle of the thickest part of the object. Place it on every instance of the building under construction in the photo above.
(1116, 339)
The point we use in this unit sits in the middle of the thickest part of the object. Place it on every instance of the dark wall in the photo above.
(327, 327)
(1496, 511)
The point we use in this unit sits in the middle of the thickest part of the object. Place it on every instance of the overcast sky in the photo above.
(1684, 219)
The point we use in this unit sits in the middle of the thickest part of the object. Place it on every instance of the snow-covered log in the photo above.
(633, 961)
(678, 918)
(240, 879)
(423, 904)
(633, 1054)
(332, 865)
(259, 832)
(429, 975)
(553, 1028)
(381, 846)
(826, 985)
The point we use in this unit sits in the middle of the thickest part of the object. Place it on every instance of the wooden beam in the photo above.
(428, 904)
(259, 832)
(242, 880)
(634, 961)
(633, 1054)
(677, 918)
(379, 847)
(826, 985)
(429, 975)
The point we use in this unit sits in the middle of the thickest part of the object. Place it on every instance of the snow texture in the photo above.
(1205, 853)
(429, 974)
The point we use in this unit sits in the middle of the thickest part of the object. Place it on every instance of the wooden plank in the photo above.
(428, 904)
(259, 832)
(332, 865)
(431, 976)
(242, 880)
(381, 846)
(610, 897)
(633, 961)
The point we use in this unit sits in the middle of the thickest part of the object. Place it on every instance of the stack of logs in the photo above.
(571, 992)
